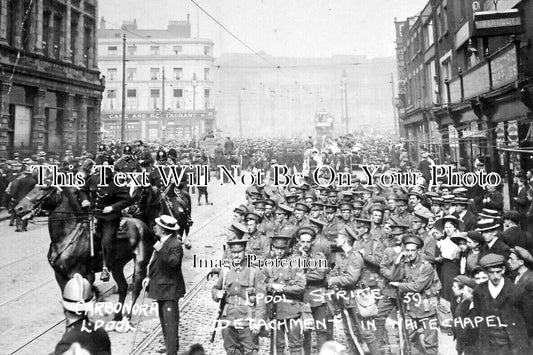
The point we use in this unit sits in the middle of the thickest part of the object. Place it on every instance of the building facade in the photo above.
(168, 82)
(280, 96)
(50, 84)
(480, 63)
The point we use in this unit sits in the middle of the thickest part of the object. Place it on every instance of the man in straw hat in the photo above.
(165, 282)
(78, 300)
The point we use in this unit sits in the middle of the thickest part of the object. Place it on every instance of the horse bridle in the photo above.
(37, 205)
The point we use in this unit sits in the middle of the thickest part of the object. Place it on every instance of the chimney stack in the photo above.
(188, 18)
(102, 23)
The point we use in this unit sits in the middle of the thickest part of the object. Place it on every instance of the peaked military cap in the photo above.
(254, 216)
(237, 244)
(306, 230)
(413, 239)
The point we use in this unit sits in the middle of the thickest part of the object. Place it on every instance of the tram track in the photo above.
(108, 290)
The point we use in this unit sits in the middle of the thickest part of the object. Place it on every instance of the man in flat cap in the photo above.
(512, 234)
(290, 284)
(503, 301)
(346, 277)
(413, 275)
(239, 286)
(520, 262)
(466, 335)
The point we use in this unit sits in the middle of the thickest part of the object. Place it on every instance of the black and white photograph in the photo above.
(266, 177)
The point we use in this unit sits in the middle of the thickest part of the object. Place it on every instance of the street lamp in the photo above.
(197, 124)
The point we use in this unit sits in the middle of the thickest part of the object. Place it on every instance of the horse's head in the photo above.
(38, 196)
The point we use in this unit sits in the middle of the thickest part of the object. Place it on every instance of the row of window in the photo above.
(155, 74)
(155, 98)
(154, 50)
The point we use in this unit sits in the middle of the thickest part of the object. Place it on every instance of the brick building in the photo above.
(50, 84)
(468, 82)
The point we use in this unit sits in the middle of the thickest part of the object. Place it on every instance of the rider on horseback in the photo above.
(109, 200)
(177, 195)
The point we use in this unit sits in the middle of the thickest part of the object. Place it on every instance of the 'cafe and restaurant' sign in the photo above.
(169, 115)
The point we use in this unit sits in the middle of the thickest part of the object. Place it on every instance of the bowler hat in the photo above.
(475, 236)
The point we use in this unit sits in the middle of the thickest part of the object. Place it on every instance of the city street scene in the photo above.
(266, 177)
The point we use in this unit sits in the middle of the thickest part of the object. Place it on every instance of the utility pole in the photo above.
(240, 115)
(394, 113)
(123, 118)
(163, 115)
(345, 85)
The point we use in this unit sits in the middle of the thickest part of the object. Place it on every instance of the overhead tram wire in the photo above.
(245, 44)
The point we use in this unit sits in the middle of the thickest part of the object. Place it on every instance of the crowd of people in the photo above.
(431, 257)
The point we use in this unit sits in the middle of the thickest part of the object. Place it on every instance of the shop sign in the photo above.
(500, 134)
(504, 68)
(512, 133)
(497, 23)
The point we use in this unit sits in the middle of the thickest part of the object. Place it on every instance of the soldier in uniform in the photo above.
(346, 217)
(317, 208)
(419, 224)
(388, 301)
(266, 225)
(330, 231)
(258, 242)
(414, 278)
(346, 277)
(239, 287)
(301, 212)
(371, 249)
(289, 283)
(109, 200)
(316, 283)
(78, 301)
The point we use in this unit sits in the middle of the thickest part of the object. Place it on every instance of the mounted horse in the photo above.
(151, 203)
(70, 250)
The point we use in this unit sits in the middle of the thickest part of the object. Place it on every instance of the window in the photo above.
(131, 50)
(112, 99)
(177, 73)
(207, 50)
(206, 98)
(428, 35)
(154, 50)
(177, 50)
(154, 73)
(112, 50)
(177, 97)
(444, 20)
(132, 99)
(111, 74)
(154, 98)
(131, 74)
(206, 73)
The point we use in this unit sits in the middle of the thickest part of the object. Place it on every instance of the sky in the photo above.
(292, 28)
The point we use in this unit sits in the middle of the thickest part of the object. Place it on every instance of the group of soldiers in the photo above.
(429, 258)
